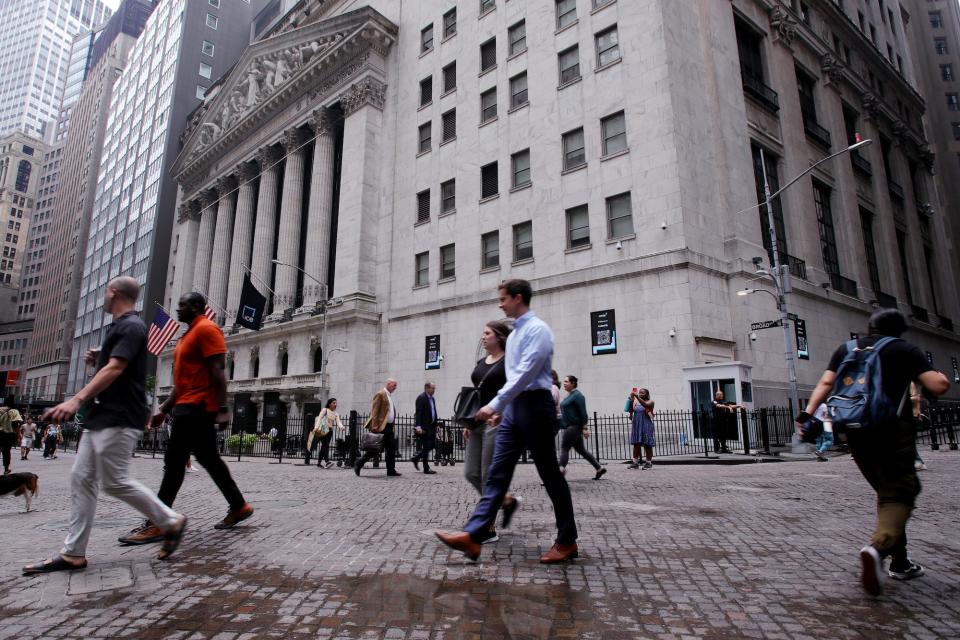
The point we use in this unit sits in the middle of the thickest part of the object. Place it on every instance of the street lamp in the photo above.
(779, 273)
(323, 306)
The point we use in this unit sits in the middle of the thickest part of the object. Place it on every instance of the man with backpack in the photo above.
(866, 388)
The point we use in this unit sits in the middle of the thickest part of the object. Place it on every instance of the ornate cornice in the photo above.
(246, 171)
(322, 121)
(368, 91)
(783, 25)
(267, 156)
(255, 351)
(293, 139)
(226, 185)
(188, 211)
(282, 347)
(832, 68)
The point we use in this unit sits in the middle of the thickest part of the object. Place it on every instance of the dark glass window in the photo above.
(489, 182)
(828, 236)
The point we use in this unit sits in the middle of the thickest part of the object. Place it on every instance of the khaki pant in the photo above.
(886, 457)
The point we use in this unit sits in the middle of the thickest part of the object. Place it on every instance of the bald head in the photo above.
(126, 287)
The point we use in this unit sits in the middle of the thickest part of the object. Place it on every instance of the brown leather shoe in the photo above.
(461, 542)
(559, 553)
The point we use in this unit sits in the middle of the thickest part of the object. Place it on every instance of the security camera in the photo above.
(757, 260)
(753, 336)
(619, 246)
(663, 225)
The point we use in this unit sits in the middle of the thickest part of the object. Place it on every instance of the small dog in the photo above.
(20, 484)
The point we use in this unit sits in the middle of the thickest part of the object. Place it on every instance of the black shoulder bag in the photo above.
(468, 400)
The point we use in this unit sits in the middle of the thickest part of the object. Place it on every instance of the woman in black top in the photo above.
(488, 376)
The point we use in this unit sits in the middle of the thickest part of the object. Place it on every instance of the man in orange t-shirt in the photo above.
(198, 407)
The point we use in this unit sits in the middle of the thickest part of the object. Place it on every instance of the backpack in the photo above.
(858, 400)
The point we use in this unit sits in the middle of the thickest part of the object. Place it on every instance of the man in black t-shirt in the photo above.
(116, 414)
(885, 453)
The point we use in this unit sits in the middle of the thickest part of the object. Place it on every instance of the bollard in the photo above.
(745, 430)
(764, 432)
(240, 445)
(596, 437)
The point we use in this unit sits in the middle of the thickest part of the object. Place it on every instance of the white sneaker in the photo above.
(872, 576)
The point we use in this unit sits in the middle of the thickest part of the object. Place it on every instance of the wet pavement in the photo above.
(749, 551)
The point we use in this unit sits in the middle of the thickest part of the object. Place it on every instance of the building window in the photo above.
(614, 129)
(212, 21)
(205, 70)
(904, 264)
(489, 181)
(450, 23)
(490, 248)
(569, 61)
(214, 3)
(448, 196)
(449, 124)
(426, 91)
(487, 5)
(940, 44)
(201, 92)
(448, 267)
(517, 38)
(425, 139)
(763, 158)
(578, 227)
(520, 163)
(421, 269)
(488, 55)
(488, 105)
(426, 38)
(619, 216)
(608, 46)
(956, 130)
(566, 13)
(952, 103)
(574, 154)
(946, 72)
(518, 90)
(828, 236)
(207, 48)
(24, 169)
(936, 19)
(450, 77)
(522, 241)
(423, 206)
(601, 3)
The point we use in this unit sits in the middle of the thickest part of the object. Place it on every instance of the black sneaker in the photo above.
(821, 456)
(872, 575)
(908, 572)
(487, 537)
(509, 510)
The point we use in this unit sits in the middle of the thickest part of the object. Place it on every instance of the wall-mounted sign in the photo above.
(431, 356)
(603, 330)
(800, 328)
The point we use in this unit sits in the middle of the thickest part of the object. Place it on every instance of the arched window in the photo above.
(256, 367)
(317, 360)
(23, 175)
(284, 361)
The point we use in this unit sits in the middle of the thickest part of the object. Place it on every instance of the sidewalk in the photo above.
(705, 551)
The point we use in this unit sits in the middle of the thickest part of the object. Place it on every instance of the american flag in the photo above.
(210, 313)
(161, 331)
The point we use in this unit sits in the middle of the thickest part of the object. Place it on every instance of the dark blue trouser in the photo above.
(528, 423)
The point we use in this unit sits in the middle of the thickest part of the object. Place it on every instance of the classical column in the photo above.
(291, 204)
(242, 236)
(186, 248)
(208, 222)
(265, 236)
(359, 205)
(320, 212)
(222, 241)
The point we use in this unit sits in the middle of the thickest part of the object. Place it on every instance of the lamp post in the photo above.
(779, 273)
(323, 308)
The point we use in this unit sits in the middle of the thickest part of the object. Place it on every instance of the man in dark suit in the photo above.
(426, 425)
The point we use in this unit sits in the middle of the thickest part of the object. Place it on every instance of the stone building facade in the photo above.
(409, 157)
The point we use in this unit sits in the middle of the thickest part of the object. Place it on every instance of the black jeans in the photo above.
(324, 449)
(573, 437)
(194, 431)
(389, 450)
(7, 440)
(428, 442)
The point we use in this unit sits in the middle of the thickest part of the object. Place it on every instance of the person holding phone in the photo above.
(641, 431)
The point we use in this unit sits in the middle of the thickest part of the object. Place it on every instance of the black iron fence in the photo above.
(678, 433)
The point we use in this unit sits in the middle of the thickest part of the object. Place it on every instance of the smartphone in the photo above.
(634, 390)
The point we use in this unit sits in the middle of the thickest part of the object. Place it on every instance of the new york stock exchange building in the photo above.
(375, 169)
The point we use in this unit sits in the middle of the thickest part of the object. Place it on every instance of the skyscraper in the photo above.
(185, 46)
(48, 292)
(35, 45)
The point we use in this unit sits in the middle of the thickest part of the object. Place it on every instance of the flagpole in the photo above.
(265, 285)
(167, 311)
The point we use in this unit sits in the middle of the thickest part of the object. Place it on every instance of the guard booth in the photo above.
(702, 381)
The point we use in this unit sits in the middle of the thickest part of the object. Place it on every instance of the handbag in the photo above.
(467, 402)
(628, 406)
(372, 441)
(324, 427)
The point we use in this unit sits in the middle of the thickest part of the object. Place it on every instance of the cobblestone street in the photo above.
(755, 551)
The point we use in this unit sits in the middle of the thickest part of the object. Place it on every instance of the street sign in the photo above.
(431, 356)
(800, 328)
(765, 324)
(603, 330)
